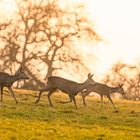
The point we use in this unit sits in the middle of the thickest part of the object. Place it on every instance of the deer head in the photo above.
(89, 80)
(121, 89)
(21, 74)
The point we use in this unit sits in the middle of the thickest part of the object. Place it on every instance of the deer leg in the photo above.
(67, 101)
(73, 98)
(1, 92)
(101, 101)
(41, 91)
(108, 96)
(84, 102)
(49, 95)
(84, 94)
(11, 91)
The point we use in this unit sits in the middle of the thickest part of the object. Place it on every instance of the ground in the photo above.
(29, 121)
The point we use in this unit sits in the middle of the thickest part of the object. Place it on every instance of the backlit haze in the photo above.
(117, 21)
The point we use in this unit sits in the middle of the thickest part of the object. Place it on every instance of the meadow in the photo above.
(29, 121)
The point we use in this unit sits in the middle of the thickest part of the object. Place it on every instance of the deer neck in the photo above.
(114, 89)
(14, 78)
(82, 86)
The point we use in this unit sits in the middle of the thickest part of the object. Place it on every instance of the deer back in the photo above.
(68, 86)
(4, 76)
(65, 85)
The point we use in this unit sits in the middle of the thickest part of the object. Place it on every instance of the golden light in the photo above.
(8, 8)
(116, 20)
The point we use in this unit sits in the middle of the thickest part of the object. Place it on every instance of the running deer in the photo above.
(67, 86)
(102, 90)
(7, 80)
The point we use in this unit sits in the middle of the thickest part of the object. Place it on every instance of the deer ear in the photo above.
(89, 75)
(121, 85)
(92, 75)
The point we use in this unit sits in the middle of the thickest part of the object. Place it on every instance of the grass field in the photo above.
(29, 121)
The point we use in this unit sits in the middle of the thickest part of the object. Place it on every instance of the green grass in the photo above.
(29, 121)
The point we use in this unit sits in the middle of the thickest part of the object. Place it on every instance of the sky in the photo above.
(117, 21)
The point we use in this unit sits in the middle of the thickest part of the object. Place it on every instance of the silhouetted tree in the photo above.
(41, 38)
(128, 75)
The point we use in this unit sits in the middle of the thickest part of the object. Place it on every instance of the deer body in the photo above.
(7, 80)
(102, 90)
(67, 86)
(70, 86)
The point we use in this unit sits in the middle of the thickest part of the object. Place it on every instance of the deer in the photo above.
(7, 80)
(69, 87)
(102, 90)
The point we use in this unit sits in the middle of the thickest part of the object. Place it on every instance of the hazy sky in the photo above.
(118, 21)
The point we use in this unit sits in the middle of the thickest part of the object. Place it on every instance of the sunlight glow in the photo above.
(8, 7)
(117, 21)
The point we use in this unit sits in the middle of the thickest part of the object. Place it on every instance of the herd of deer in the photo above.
(67, 86)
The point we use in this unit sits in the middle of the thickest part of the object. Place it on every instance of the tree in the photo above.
(129, 75)
(41, 38)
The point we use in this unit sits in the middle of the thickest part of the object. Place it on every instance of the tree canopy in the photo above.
(41, 37)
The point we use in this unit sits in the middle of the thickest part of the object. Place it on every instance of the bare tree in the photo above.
(129, 75)
(41, 38)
